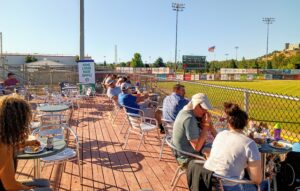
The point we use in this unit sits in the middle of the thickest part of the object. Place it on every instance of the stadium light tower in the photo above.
(268, 21)
(177, 7)
(236, 50)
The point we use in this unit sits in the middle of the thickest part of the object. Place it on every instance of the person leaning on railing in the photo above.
(15, 117)
(232, 151)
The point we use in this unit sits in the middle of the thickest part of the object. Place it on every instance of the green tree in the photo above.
(30, 58)
(123, 64)
(136, 61)
(232, 64)
(159, 63)
(77, 58)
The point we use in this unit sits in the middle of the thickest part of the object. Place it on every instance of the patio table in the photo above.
(267, 149)
(58, 146)
(53, 108)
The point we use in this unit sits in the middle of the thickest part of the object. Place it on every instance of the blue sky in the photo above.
(148, 27)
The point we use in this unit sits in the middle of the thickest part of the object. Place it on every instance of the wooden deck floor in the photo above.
(106, 165)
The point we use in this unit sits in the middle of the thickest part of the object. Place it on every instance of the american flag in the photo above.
(211, 49)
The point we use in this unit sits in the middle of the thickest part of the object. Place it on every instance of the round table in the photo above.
(58, 146)
(53, 108)
(265, 149)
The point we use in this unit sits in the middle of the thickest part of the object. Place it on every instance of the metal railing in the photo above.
(266, 109)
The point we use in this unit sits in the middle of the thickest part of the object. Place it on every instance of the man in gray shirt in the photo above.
(192, 125)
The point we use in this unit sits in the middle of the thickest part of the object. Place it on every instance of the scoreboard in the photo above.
(193, 62)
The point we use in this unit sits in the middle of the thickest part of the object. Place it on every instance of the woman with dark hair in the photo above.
(232, 152)
(15, 117)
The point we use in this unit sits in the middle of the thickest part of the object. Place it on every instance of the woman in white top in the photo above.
(232, 151)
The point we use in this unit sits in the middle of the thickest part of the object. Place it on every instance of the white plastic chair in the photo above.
(68, 154)
(168, 127)
(139, 125)
(182, 163)
(221, 179)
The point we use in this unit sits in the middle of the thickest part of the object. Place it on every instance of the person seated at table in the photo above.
(192, 125)
(173, 103)
(11, 81)
(113, 91)
(119, 81)
(127, 99)
(232, 151)
(15, 117)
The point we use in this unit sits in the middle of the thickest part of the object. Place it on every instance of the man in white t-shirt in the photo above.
(113, 91)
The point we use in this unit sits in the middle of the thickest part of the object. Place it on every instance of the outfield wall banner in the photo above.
(86, 71)
(268, 76)
(224, 77)
(250, 77)
(244, 77)
(210, 77)
(237, 77)
(179, 77)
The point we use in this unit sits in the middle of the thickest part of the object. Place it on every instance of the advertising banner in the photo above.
(224, 77)
(237, 77)
(86, 71)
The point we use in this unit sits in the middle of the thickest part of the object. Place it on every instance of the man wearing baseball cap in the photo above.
(192, 125)
(112, 91)
(126, 99)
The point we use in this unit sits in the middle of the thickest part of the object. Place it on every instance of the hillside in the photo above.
(284, 53)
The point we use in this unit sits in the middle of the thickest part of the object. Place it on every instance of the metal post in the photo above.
(268, 21)
(175, 63)
(1, 56)
(176, 7)
(81, 56)
(246, 101)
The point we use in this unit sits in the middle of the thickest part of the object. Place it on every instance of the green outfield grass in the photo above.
(287, 87)
(261, 108)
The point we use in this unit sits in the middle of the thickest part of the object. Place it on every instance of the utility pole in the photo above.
(1, 56)
(268, 21)
(177, 7)
(116, 54)
(81, 55)
(236, 49)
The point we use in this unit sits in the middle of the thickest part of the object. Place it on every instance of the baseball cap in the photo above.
(197, 99)
(109, 81)
(125, 86)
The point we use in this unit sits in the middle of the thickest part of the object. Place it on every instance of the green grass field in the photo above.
(287, 87)
(261, 108)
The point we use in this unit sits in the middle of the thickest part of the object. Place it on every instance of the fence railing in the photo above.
(263, 107)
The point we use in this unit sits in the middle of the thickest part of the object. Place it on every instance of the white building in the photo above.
(15, 59)
(289, 46)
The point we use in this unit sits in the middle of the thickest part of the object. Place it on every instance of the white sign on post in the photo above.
(86, 71)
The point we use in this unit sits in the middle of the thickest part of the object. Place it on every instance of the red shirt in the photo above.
(11, 82)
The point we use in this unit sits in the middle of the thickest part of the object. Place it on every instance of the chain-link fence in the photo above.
(264, 108)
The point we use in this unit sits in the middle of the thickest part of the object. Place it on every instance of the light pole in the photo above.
(81, 55)
(177, 7)
(1, 56)
(268, 21)
(236, 49)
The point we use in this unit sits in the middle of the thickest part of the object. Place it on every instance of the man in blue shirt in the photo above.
(173, 103)
(126, 99)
